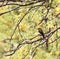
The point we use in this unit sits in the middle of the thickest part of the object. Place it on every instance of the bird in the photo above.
(41, 32)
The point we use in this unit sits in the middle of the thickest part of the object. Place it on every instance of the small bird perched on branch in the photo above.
(39, 27)
(41, 32)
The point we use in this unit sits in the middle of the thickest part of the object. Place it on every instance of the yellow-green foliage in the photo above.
(28, 29)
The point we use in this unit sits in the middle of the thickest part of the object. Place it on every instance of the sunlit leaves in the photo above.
(57, 10)
(28, 29)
